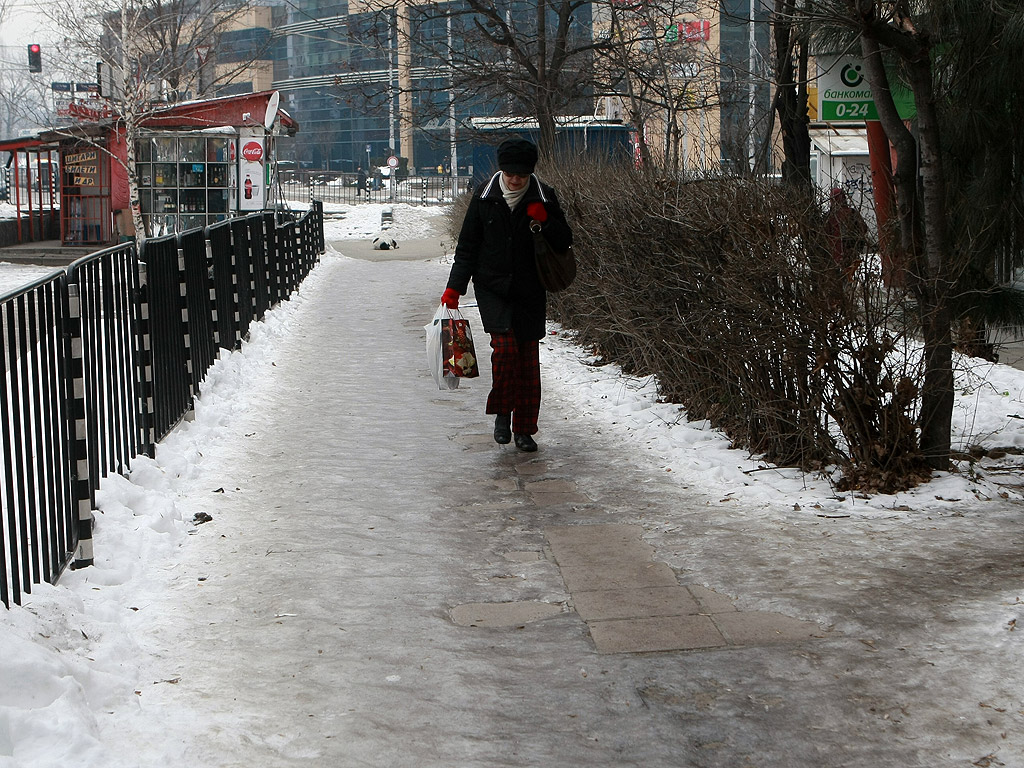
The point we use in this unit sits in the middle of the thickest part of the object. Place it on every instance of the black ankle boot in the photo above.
(503, 428)
(526, 443)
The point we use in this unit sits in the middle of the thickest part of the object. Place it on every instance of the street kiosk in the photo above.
(196, 163)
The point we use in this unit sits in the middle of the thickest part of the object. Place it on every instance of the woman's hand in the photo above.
(537, 212)
(450, 298)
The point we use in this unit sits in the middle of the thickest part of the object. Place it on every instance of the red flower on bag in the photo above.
(537, 212)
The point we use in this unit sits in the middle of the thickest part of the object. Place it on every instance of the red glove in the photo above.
(537, 212)
(450, 298)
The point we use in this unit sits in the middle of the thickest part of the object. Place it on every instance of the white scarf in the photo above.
(512, 196)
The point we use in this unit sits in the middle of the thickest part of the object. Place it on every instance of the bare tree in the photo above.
(533, 58)
(666, 75)
(920, 192)
(22, 100)
(936, 50)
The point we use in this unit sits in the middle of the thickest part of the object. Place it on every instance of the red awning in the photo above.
(13, 145)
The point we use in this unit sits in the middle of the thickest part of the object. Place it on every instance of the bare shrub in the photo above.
(733, 294)
(455, 214)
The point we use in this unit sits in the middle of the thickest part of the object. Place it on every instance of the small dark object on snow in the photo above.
(202, 517)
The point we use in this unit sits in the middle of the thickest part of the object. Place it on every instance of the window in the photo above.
(185, 181)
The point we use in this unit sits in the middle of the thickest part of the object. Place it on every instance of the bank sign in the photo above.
(844, 95)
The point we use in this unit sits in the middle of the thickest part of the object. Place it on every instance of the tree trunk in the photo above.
(937, 395)
(792, 111)
(924, 255)
(546, 126)
(131, 94)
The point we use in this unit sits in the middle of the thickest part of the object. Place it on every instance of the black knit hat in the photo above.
(517, 156)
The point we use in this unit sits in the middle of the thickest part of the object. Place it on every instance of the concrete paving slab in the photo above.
(666, 633)
(709, 600)
(553, 485)
(533, 467)
(760, 628)
(592, 532)
(568, 553)
(617, 575)
(634, 603)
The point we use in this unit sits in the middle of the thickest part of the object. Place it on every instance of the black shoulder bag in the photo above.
(555, 269)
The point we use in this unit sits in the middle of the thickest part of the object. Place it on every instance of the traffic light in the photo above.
(35, 58)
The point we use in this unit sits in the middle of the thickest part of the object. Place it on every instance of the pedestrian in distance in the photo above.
(846, 231)
(360, 181)
(496, 251)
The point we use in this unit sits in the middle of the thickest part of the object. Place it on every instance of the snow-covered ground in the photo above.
(67, 655)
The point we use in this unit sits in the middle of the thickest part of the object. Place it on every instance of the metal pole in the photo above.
(391, 83)
(453, 152)
(752, 38)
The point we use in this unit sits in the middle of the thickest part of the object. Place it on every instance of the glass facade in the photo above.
(745, 78)
(338, 76)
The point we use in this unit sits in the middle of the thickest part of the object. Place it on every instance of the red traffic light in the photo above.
(35, 58)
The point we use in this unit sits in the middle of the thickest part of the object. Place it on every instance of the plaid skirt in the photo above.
(515, 381)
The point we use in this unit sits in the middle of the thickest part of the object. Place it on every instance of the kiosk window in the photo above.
(185, 180)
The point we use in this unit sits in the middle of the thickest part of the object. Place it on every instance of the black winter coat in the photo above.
(495, 249)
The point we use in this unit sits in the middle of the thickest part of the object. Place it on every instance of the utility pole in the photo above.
(453, 152)
(752, 39)
(405, 84)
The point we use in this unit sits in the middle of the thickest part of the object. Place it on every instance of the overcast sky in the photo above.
(23, 21)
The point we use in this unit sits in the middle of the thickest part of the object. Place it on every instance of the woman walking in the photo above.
(495, 250)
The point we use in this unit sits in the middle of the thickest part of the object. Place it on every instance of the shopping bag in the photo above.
(458, 356)
(450, 352)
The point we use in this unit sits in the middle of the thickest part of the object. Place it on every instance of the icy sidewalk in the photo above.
(382, 585)
(327, 615)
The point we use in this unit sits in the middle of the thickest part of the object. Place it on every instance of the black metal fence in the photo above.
(104, 358)
(344, 188)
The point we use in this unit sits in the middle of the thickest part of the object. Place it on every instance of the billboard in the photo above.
(844, 94)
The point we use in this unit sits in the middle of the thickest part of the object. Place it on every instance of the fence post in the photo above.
(318, 207)
(424, 196)
(187, 328)
(300, 253)
(146, 364)
(215, 316)
(80, 453)
(270, 254)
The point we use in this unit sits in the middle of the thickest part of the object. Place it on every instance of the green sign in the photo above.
(844, 95)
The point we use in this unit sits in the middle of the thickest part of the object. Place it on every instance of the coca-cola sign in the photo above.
(252, 151)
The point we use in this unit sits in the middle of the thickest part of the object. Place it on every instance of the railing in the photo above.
(344, 188)
(37, 412)
(104, 358)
